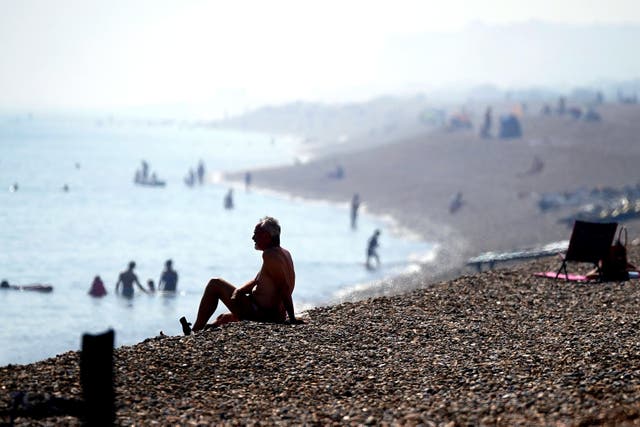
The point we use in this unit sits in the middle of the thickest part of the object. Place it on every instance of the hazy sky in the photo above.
(117, 53)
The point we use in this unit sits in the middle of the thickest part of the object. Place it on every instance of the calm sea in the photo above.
(104, 220)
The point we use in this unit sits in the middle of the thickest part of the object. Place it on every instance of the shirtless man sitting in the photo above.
(267, 298)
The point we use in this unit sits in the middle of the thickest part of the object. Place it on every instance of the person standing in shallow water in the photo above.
(127, 278)
(168, 279)
(372, 250)
(355, 205)
(97, 288)
(266, 298)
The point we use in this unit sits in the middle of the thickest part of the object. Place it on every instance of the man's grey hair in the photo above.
(271, 226)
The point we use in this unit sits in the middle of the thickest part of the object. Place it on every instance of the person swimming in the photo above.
(34, 287)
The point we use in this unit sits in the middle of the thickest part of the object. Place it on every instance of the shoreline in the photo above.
(499, 347)
(438, 255)
(413, 180)
(441, 347)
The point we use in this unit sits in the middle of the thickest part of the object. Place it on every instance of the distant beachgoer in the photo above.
(5, 285)
(97, 288)
(35, 287)
(228, 199)
(14, 187)
(372, 249)
(355, 205)
(267, 298)
(338, 173)
(168, 279)
(201, 172)
(456, 203)
(247, 180)
(127, 279)
(65, 188)
(562, 105)
(145, 171)
(190, 179)
(486, 126)
(151, 287)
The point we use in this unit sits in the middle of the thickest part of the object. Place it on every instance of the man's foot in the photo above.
(186, 326)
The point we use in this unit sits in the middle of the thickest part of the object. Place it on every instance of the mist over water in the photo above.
(65, 238)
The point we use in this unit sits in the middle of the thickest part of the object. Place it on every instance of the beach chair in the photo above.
(589, 242)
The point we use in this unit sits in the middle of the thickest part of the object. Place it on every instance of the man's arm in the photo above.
(244, 289)
(135, 279)
(118, 283)
(288, 303)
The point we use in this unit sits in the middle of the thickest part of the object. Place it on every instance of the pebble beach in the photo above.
(445, 346)
(495, 348)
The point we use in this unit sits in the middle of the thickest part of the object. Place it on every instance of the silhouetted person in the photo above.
(486, 125)
(151, 287)
(97, 288)
(145, 171)
(355, 205)
(34, 287)
(200, 172)
(267, 298)
(127, 278)
(338, 173)
(562, 105)
(247, 180)
(169, 278)
(190, 179)
(372, 249)
(456, 203)
(228, 199)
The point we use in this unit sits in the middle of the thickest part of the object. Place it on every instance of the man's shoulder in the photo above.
(274, 252)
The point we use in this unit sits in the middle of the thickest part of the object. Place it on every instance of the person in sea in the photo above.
(266, 298)
(168, 279)
(372, 250)
(34, 287)
(151, 287)
(228, 199)
(127, 278)
(97, 288)
(355, 205)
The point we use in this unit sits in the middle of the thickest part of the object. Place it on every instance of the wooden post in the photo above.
(96, 376)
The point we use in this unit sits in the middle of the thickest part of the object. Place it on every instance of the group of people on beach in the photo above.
(168, 282)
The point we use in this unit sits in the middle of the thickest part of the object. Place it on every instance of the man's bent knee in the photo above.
(214, 283)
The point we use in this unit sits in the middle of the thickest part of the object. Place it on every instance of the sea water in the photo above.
(104, 220)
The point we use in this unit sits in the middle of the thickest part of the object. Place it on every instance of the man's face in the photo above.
(261, 238)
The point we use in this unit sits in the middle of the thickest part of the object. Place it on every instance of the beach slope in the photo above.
(494, 348)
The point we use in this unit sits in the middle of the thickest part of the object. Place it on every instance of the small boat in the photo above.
(151, 183)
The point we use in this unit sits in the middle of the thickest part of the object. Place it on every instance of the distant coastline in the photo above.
(413, 179)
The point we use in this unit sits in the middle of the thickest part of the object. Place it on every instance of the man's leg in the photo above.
(216, 289)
